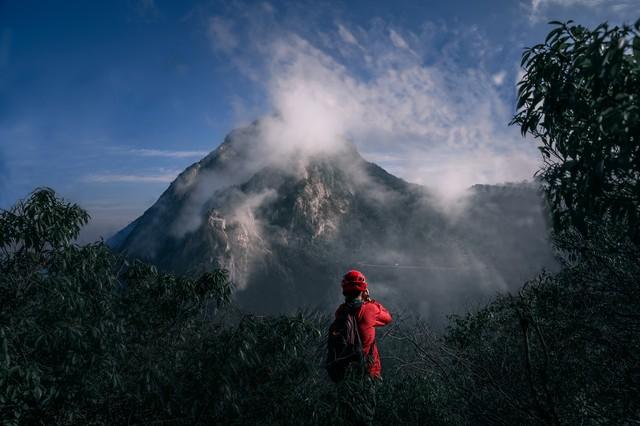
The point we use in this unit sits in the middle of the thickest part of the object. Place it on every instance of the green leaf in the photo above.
(553, 33)
(521, 101)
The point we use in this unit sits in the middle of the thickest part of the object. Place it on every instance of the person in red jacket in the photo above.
(370, 315)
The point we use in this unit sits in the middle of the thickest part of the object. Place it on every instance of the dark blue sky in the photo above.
(107, 101)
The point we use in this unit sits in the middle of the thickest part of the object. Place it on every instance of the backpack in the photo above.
(344, 344)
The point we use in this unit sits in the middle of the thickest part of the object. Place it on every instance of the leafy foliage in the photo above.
(84, 332)
(580, 97)
(88, 337)
(565, 349)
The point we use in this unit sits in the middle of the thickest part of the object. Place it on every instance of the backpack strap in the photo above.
(355, 317)
(368, 357)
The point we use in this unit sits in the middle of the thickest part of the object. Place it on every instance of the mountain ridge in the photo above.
(289, 229)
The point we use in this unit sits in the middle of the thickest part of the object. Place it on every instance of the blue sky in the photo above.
(107, 102)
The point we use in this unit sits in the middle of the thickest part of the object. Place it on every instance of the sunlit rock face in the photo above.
(287, 228)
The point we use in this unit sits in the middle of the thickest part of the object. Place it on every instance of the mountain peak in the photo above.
(288, 223)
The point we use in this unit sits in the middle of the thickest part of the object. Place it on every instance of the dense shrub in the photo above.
(565, 349)
(88, 337)
(84, 334)
(579, 99)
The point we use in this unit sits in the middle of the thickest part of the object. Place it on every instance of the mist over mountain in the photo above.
(288, 223)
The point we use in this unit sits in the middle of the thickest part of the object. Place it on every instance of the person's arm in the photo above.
(383, 317)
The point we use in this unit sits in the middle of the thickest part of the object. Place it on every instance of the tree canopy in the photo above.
(81, 328)
(580, 98)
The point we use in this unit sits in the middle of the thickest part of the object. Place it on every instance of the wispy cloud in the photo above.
(498, 78)
(447, 121)
(538, 4)
(347, 35)
(540, 10)
(147, 10)
(163, 177)
(397, 40)
(166, 153)
(221, 34)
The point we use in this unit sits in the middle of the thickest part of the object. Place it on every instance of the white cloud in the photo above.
(541, 10)
(346, 35)
(539, 4)
(221, 34)
(448, 125)
(397, 40)
(498, 78)
(442, 125)
(164, 177)
(167, 153)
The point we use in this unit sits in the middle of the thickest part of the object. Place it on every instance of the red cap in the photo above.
(354, 281)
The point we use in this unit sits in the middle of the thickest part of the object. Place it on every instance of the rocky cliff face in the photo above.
(289, 229)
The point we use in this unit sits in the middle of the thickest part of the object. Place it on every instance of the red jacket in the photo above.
(371, 314)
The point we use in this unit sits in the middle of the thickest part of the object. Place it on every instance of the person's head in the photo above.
(354, 284)
(350, 296)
